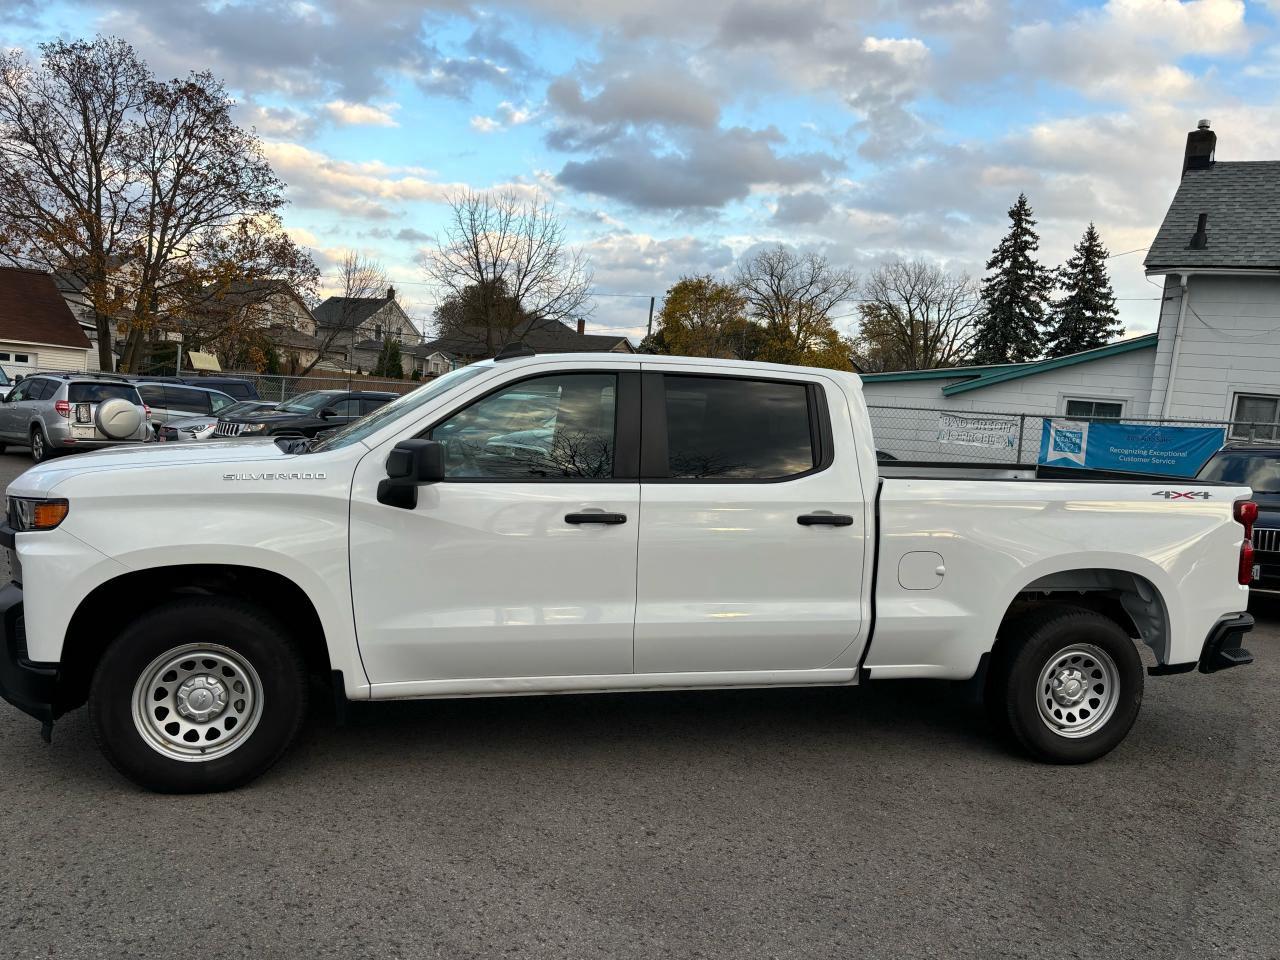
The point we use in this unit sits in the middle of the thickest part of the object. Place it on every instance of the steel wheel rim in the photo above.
(197, 702)
(37, 446)
(1078, 690)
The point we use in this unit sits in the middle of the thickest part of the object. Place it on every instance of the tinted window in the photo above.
(40, 389)
(723, 429)
(370, 404)
(349, 407)
(97, 392)
(549, 427)
(184, 398)
(152, 395)
(1259, 471)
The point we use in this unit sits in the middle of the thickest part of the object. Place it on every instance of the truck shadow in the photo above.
(893, 716)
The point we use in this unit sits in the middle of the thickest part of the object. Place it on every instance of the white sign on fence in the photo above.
(978, 431)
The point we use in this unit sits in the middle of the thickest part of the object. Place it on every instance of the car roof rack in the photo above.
(513, 351)
(77, 375)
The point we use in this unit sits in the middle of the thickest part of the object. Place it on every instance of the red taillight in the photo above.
(63, 408)
(146, 411)
(1246, 512)
(1246, 563)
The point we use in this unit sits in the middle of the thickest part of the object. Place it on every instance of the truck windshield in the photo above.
(1257, 470)
(359, 429)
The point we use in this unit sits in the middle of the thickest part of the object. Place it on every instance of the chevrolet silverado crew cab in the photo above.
(573, 523)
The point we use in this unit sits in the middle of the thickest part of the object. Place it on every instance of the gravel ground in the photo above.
(880, 822)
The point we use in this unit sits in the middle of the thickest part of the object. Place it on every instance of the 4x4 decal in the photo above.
(1183, 494)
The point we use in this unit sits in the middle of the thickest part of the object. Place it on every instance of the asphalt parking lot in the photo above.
(880, 822)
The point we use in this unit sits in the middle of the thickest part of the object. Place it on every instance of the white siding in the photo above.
(911, 434)
(41, 357)
(1230, 344)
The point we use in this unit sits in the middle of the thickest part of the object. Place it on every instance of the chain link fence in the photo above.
(281, 388)
(935, 434)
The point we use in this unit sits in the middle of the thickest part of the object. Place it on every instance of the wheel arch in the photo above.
(113, 604)
(1133, 601)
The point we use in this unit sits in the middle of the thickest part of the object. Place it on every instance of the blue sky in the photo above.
(675, 136)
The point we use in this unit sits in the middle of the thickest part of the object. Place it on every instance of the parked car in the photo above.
(1255, 465)
(237, 387)
(696, 523)
(177, 401)
(5, 383)
(201, 428)
(306, 414)
(65, 412)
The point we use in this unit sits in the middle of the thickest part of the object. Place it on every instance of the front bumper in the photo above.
(29, 686)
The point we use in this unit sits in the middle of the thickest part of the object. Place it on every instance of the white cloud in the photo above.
(362, 114)
(485, 124)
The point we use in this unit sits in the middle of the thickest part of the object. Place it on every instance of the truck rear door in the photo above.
(753, 530)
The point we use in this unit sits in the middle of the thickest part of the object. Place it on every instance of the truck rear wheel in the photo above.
(198, 695)
(1070, 686)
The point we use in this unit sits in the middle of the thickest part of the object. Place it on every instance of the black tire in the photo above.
(254, 638)
(1069, 730)
(41, 450)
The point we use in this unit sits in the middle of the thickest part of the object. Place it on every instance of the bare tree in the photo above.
(359, 278)
(505, 262)
(915, 316)
(794, 297)
(145, 189)
(67, 192)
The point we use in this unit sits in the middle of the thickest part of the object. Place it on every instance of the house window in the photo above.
(377, 331)
(15, 357)
(1255, 417)
(1095, 409)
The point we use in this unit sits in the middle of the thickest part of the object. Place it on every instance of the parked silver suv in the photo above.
(64, 412)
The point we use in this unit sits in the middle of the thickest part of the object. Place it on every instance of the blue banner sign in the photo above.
(1134, 447)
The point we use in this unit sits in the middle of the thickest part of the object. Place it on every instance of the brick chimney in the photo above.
(582, 326)
(1200, 146)
(391, 293)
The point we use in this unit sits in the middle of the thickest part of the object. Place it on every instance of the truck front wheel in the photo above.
(198, 695)
(1069, 687)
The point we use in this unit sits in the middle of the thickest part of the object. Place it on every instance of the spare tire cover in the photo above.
(118, 419)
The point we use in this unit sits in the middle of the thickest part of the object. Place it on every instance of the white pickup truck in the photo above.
(574, 523)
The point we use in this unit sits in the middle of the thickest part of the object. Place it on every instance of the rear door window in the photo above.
(370, 404)
(42, 389)
(348, 407)
(152, 395)
(722, 428)
(184, 398)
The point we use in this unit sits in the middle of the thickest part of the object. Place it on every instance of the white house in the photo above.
(1214, 358)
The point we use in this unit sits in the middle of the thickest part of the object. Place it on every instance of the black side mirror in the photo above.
(411, 464)
(328, 412)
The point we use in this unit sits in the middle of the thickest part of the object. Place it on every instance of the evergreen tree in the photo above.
(1086, 315)
(1015, 294)
(389, 363)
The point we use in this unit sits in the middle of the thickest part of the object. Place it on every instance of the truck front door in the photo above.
(753, 524)
(522, 562)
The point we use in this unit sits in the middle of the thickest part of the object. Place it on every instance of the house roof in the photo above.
(1242, 202)
(977, 377)
(247, 292)
(348, 311)
(33, 311)
(540, 336)
(1018, 370)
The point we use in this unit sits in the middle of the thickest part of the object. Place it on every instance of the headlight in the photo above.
(197, 427)
(29, 514)
(254, 428)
